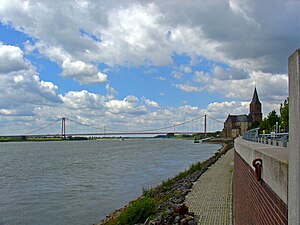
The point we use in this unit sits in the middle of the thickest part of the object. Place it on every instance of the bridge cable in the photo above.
(41, 128)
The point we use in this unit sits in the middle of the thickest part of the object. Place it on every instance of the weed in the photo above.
(138, 211)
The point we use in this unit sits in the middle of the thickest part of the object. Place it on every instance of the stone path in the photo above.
(211, 196)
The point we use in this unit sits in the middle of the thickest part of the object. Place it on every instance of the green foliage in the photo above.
(268, 123)
(284, 115)
(138, 211)
(283, 120)
(148, 192)
(256, 124)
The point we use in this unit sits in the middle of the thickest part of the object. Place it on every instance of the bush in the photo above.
(138, 211)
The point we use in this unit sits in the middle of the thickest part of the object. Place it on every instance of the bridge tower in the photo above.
(205, 126)
(63, 127)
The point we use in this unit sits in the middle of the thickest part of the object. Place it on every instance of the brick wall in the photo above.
(254, 203)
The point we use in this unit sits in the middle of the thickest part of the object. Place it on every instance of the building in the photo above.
(236, 125)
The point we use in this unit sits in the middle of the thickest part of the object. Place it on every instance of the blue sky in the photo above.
(133, 64)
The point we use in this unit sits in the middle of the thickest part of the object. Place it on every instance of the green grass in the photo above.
(138, 211)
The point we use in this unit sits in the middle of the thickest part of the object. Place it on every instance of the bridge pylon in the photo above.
(205, 126)
(63, 127)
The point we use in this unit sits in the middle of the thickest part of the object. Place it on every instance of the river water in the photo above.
(80, 182)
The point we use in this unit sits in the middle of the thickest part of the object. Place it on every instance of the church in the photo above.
(236, 125)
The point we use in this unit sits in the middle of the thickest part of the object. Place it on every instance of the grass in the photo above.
(138, 211)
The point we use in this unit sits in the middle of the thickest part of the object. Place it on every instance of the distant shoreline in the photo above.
(70, 138)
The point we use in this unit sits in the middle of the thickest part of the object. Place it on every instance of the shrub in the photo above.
(138, 211)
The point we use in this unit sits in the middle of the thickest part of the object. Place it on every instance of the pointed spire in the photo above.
(255, 98)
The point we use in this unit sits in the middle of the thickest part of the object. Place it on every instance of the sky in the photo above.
(135, 65)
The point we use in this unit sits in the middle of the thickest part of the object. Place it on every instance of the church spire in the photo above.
(255, 108)
(255, 98)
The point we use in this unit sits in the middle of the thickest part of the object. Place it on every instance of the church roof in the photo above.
(240, 118)
(255, 98)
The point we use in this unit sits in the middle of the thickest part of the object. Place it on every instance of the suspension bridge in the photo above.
(66, 127)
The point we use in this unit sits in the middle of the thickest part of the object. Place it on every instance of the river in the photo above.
(80, 182)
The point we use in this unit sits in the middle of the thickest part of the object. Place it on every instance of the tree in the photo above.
(284, 115)
(268, 123)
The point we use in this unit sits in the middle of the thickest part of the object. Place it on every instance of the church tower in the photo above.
(255, 108)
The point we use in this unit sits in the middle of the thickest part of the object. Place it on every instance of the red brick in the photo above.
(254, 203)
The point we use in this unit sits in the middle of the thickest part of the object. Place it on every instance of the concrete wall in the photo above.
(294, 136)
(264, 201)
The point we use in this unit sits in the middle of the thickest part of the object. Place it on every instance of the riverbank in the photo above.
(161, 205)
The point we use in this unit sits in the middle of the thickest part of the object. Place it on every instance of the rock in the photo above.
(183, 222)
(192, 222)
(177, 219)
(188, 217)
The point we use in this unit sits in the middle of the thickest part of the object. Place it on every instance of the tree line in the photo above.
(272, 120)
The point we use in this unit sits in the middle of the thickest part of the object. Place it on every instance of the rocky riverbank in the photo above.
(167, 198)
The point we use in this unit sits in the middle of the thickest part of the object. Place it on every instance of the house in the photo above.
(236, 125)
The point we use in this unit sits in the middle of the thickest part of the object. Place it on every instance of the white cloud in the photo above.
(222, 109)
(272, 88)
(83, 100)
(238, 33)
(228, 74)
(187, 87)
(129, 105)
(111, 92)
(22, 92)
(150, 103)
(185, 69)
(177, 75)
(11, 59)
(161, 78)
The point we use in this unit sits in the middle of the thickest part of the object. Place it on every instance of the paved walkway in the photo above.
(211, 196)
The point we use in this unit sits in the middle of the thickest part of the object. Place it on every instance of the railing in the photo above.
(278, 139)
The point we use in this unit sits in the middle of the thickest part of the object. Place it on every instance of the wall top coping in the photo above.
(278, 153)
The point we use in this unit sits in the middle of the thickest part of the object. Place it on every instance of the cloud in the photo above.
(11, 59)
(82, 72)
(272, 88)
(83, 100)
(238, 33)
(23, 92)
(177, 75)
(185, 69)
(229, 73)
(129, 105)
(161, 78)
(221, 109)
(111, 92)
(187, 87)
(150, 103)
